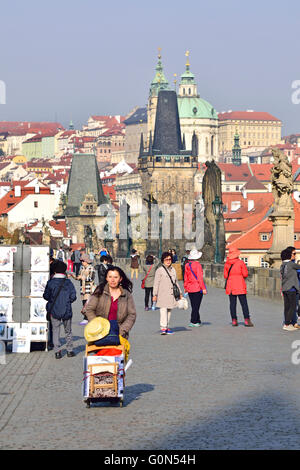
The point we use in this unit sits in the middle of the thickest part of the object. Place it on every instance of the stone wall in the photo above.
(261, 281)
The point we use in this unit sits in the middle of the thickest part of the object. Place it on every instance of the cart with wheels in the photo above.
(104, 374)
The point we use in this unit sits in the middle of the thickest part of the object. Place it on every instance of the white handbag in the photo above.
(183, 303)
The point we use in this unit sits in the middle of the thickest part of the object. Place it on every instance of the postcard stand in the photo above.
(24, 272)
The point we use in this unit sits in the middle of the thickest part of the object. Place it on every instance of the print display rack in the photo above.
(24, 272)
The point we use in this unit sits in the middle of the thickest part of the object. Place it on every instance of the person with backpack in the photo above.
(76, 262)
(235, 272)
(194, 285)
(60, 294)
(148, 281)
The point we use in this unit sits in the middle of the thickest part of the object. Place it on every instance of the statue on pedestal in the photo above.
(282, 216)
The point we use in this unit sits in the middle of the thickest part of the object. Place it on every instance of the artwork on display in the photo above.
(21, 339)
(6, 258)
(40, 258)
(38, 310)
(38, 331)
(6, 284)
(38, 284)
(2, 331)
(5, 309)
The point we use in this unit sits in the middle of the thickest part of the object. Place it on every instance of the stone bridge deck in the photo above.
(214, 387)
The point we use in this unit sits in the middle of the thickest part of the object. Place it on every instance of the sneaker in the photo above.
(83, 322)
(289, 328)
(248, 322)
(58, 355)
(146, 308)
(163, 331)
(70, 354)
(170, 332)
(192, 325)
(234, 322)
(296, 326)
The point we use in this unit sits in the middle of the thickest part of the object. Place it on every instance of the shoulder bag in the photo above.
(227, 276)
(176, 291)
(143, 281)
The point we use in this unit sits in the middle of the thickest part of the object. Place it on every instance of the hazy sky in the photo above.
(67, 59)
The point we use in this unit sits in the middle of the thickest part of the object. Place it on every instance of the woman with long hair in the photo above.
(113, 300)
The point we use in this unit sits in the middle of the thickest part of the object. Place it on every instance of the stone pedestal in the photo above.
(283, 236)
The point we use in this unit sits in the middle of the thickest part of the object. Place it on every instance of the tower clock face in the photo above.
(195, 110)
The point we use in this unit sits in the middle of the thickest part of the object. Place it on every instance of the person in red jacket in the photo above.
(235, 272)
(194, 285)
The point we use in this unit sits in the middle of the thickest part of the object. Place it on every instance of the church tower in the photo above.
(158, 83)
(236, 150)
(167, 170)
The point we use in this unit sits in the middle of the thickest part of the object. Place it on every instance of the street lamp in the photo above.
(217, 209)
(160, 233)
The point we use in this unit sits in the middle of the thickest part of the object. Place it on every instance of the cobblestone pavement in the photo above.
(214, 387)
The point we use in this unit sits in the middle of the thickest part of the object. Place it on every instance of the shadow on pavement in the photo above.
(134, 392)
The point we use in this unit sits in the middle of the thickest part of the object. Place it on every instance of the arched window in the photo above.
(189, 91)
(184, 91)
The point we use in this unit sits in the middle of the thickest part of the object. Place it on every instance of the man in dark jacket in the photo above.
(290, 287)
(102, 268)
(60, 293)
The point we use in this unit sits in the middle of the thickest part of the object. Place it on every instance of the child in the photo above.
(60, 294)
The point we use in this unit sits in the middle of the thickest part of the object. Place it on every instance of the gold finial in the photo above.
(159, 52)
(187, 60)
(175, 80)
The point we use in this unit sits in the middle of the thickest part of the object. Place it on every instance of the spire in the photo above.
(187, 85)
(71, 125)
(150, 143)
(141, 146)
(159, 82)
(167, 134)
(236, 149)
(194, 145)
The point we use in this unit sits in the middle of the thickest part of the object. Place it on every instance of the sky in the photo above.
(64, 60)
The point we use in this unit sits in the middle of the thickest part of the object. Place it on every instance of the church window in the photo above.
(189, 91)
(36, 204)
(184, 91)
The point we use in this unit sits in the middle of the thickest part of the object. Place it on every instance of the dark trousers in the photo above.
(196, 299)
(289, 299)
(83, 304)
(148, 291)
(76, 268)
(243, 302)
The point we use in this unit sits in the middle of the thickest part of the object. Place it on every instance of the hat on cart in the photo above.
(195, 254)
(96, 329)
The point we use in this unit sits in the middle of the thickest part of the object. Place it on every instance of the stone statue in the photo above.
(212, 187)
(282, 217)
(282, 181)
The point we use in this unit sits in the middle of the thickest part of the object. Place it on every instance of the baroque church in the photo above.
(196, 115)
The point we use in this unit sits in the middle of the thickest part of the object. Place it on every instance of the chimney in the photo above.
(17, 191)
(250, 205)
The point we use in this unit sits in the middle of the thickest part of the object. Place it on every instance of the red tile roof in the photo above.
(9, 200)
(254, 184)
(247, 115)
(59, 225)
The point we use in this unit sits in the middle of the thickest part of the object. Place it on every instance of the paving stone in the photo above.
(214, 387)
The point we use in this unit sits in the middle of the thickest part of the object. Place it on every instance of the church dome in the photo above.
(195, 107)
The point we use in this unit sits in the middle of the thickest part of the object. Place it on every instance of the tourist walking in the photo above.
(113, 300)
(163, 292)
(194, 285)
(60, 294)
(289, 287)
(77, 262)
(69, 260)
(60, 255)
(102, 268)
(235, 272)
(87, 283)
(148, 281)
(134, 265)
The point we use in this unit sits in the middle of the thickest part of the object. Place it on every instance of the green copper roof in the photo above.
(195, 107)
(159, 82)
(187, 77)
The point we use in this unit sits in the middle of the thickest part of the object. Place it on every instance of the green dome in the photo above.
(195, 107)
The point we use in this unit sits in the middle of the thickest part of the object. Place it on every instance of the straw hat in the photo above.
(233, 252)
(96, 329)
(195, 254)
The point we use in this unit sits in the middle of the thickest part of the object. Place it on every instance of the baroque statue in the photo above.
(282, 181)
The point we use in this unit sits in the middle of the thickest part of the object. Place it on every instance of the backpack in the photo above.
(60, 255)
